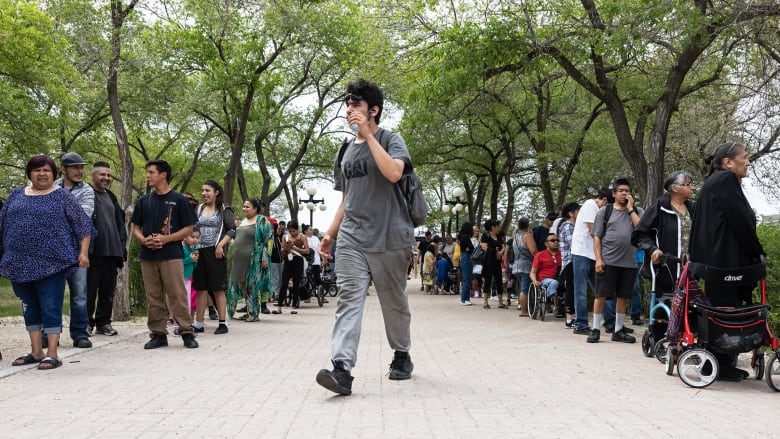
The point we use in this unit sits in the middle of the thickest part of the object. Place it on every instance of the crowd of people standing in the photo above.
(78, 236)
(605, 244)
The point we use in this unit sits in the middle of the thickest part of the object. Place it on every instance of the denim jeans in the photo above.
(584, 277)
(551, 285)
(42, 303)
(466, 270)
(79, 318)
(524, 279)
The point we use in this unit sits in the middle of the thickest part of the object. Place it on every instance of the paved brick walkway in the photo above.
(478, 374)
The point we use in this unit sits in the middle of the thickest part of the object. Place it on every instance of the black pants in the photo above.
(291, 270)
(567, 276)
(101, 284)
(493, 281)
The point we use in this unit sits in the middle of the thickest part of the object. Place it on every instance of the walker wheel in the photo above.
(671, 360)
(759, 364)
(773, 372)
(697, 368)
(660, 348)
(648, 342)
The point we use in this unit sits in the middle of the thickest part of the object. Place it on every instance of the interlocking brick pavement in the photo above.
(478, 374)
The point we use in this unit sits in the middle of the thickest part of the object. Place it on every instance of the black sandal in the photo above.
(24, 360)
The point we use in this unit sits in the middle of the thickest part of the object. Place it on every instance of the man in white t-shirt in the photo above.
(584, 259)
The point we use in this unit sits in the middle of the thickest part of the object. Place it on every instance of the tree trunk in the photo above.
(118, 15)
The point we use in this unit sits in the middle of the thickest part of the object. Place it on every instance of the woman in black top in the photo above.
(665, 227)
(723, 234)
(466, 267)
(493, 244)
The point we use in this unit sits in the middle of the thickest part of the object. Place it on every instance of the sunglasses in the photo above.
(353, 97)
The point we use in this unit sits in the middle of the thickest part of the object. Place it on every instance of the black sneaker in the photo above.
(623, 337)
(582, 331)
(189, 341)
(594, 336)
(213, 313)
(569, 324)
(221, 329)
(637, 322)
(199, 330)
(337, 380)
(627, 330)
(242, 309)
(82, 343)
(107, 330)
(156, 341)
(401, 367)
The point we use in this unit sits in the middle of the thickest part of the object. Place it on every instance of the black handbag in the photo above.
(478, 255)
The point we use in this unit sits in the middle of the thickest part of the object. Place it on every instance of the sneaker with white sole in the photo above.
(466, 303)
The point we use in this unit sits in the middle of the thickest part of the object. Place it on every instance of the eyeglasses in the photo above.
(686, 184)
(353, 97)
(552, 240)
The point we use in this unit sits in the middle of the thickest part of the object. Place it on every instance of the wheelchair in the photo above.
(539, 305)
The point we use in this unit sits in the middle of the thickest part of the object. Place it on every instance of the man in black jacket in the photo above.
(109, 251)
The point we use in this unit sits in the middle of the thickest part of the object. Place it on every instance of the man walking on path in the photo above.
(374, 234)
(161, 220)
(109, 251)
(73, 180)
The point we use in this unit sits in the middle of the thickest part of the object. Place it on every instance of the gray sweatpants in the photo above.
(354, 270)
(276, 277)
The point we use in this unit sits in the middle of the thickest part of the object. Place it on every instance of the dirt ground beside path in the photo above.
(15, 341)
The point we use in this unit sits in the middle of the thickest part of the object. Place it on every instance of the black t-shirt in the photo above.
(422, 247)
(166, 215)
(540, 235)
(494, 246)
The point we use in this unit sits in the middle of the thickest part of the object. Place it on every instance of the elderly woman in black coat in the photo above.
(666, 226)
(723, 233)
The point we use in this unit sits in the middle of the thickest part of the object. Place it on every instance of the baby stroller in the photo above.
(654, 342)
(707, 329)
(452, 281)
(329, 282)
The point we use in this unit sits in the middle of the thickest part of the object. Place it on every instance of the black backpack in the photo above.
(409, 184)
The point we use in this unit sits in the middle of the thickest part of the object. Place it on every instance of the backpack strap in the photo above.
(607, 213)
(343, 149)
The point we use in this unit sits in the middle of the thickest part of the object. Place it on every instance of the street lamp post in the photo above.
(457, 206)
(311, 203)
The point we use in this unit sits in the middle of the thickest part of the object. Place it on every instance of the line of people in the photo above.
(608, 242)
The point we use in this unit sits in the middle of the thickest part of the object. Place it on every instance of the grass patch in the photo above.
(10, 306)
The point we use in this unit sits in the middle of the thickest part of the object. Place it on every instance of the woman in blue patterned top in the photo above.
(44, 237)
